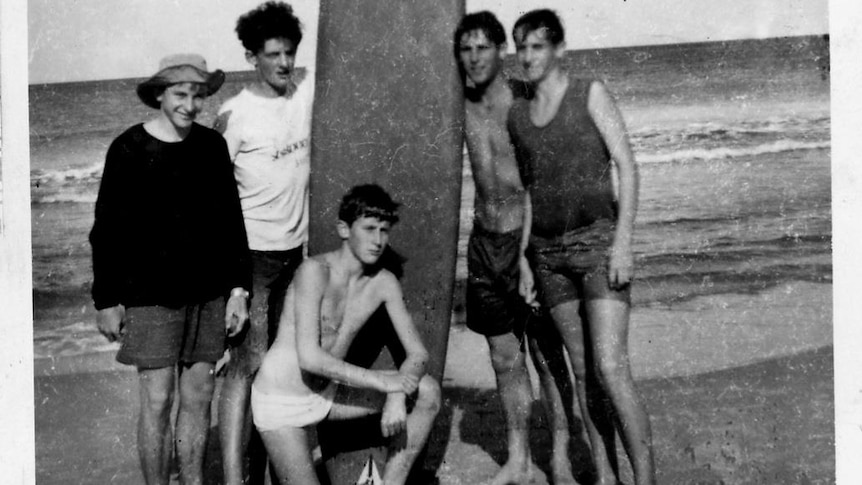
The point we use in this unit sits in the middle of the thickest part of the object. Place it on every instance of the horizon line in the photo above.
(657, 44)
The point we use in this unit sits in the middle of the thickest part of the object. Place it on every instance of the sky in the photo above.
(97, 39)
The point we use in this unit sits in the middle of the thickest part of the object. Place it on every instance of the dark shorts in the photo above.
(574, 266)
(155, 336)
(272, 272)
(542, 331)
(494, 306)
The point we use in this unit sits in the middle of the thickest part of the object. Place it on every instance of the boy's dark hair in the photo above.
(540, 19)
(369, 200)
(271, 20)
(484, 21)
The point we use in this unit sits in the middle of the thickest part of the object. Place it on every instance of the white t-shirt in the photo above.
(270, 143)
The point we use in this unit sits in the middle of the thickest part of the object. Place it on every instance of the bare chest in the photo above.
(343, 312)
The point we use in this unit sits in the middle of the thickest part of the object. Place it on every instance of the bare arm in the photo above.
(394, 418)
(477, 139)
(478, 142)
(310, 284)
(527, 285)
(610, 123)
(413, 367)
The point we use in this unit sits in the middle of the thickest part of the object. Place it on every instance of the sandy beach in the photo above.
(744, 396)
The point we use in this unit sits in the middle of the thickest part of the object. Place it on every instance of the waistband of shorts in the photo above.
(599, 230)
(480, 230)
(179, 306)
(326, 392)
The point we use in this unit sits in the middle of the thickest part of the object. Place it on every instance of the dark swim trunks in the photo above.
(155, 336)
(574, 266)
(272, 272)
(494, 306)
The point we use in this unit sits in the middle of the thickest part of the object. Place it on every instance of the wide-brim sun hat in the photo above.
(179, 68)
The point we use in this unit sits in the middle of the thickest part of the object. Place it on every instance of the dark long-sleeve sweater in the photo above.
(169, 228)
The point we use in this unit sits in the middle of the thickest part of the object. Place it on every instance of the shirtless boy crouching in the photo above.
(304, 379)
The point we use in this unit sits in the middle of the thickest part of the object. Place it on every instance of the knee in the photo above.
(197, 392)
(430, 395)
(505, 359)
(157, 401)
(612, 372)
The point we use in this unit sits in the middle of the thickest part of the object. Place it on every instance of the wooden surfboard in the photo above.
(388, 109)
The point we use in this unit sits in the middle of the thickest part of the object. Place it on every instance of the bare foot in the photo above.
(561, 471)
(512, 474)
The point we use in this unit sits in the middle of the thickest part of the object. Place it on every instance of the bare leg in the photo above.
(513, 384)
(244, 457)
(556, 381)
(290, 455)
(197, 382)
(234, 426)
(419, 424)
(155, 439)
(609, 321)
(352, 403)
(567, 319)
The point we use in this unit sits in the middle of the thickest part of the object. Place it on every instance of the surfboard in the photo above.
(389, 110)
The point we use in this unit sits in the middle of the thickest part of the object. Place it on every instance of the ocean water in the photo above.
(732, 141)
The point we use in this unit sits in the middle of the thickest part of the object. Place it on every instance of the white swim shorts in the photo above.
(273, 411)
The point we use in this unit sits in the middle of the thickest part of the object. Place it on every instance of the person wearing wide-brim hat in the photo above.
(179, 68)
(171, 267)
(178, 89)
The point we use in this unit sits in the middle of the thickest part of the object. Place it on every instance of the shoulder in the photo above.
(207, 136)
(204, 131)
(234, 102)
(229, 110)
(132, 137)
(133, 133)
(387, 284)
(312, 271)
(587, 86)
(304, 84)
(314, 265)
(598, 96)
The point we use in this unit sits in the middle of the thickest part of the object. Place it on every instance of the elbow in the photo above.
(309, 360)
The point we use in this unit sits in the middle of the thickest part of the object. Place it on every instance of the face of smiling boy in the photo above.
(480, 57)
(181, 103)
